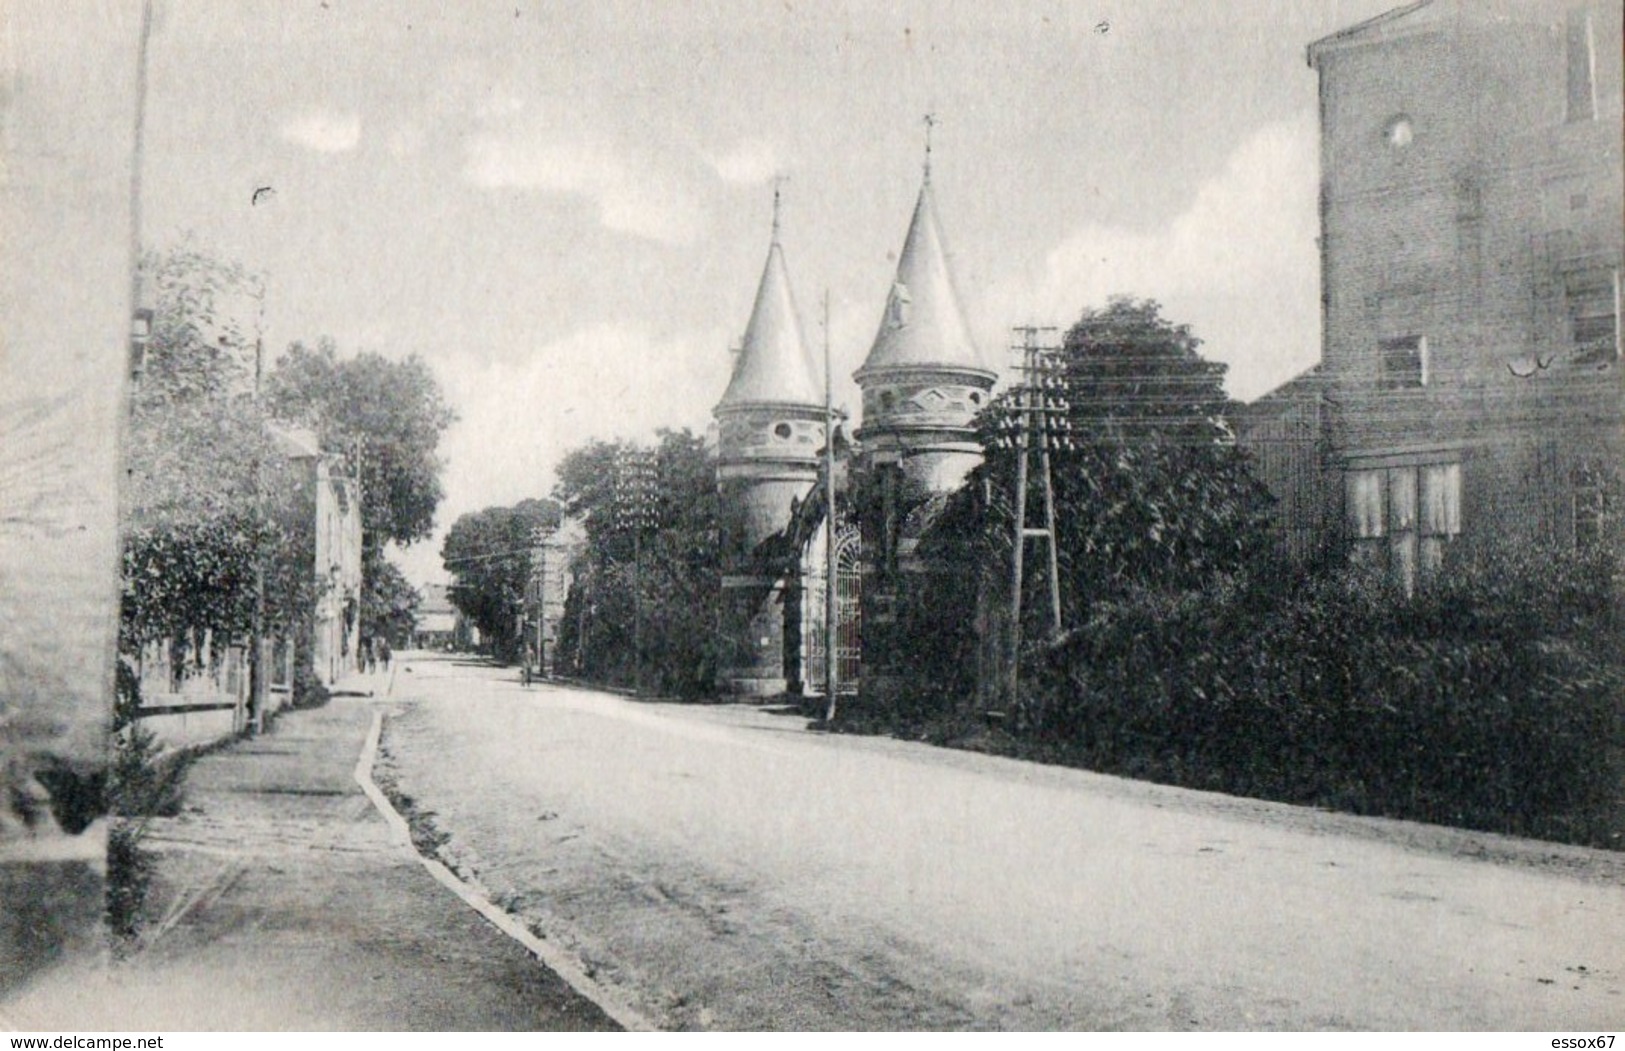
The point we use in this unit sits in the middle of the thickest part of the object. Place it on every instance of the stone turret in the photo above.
(924, 380)
(770, 427)
(923, 383)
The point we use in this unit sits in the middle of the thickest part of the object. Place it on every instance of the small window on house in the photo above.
(782, 431)
(1581, 56)
(1591, 301)
(1402, 363)
(888, 401)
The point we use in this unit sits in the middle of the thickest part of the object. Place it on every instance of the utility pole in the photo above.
(359, 444)
(258, 688)
(831, 615)
(1040, 417)
(538, 573)
(634, 510)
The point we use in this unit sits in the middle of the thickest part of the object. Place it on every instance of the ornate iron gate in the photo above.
(848, 635)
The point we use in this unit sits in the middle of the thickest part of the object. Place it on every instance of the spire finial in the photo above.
(930, 122)
(778, 188)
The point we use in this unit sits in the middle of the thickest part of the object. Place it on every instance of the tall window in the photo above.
(1402, 518)
(1591, 301)
(1582, 63)
(1402, 363)
(1593, 511)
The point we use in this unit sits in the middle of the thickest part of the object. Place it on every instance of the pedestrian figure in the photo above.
(372, 657)
(384, 653)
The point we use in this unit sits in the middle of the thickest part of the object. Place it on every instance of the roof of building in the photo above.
(1309, 382)
(1304, 388)
(773, 366)
(1426, 16)
(1369, 27)
(923, 324)
(436, 600)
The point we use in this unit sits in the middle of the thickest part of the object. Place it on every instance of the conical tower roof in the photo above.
(773, 366)
(923, 325)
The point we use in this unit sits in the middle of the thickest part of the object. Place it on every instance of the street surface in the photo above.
(722, 867)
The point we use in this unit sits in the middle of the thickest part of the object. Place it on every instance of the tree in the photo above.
(1151, 489)
(675, 579)
(389, 413)
(209, 493)
(1152, 493)
(388, 605)
(387, 416)
(199, 349)
(487, 553)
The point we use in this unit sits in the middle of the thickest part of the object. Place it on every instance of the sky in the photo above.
(564, 207)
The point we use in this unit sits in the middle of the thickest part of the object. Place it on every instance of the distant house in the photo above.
(336, 560)
(437, 622)
(1471, 240)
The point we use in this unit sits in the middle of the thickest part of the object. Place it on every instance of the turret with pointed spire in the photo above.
(770, 427)
(923, 383)
(924, 379)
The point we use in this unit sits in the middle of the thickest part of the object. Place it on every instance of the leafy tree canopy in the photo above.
(1151, 489)
(208, 486)
(388, 604)
(202, 342)
(674, 578)
(391, 413)
(487, 553)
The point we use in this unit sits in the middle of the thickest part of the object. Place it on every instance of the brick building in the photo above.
(1471, 238)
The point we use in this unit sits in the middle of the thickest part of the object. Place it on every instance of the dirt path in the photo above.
(723, 868)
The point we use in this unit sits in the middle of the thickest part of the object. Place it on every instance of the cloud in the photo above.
(1239, 265)
(519, 417)
(324, 131)
(637, 201)
(749, 162)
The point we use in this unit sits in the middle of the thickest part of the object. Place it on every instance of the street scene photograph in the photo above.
(1050, 516)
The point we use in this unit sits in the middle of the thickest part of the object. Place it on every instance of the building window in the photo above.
(1594, 512)
(1403, 518)
(1582, 64)
(1591, 301)
(782, 431)
(1399, 132)
(1403, 363)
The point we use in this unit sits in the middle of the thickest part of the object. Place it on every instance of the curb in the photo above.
(556, 960)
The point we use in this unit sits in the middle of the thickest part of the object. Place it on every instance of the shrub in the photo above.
(1491, 701)
(141, 782)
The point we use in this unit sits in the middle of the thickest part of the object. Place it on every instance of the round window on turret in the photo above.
(976, 397)
(782, 431)
(1399, 132)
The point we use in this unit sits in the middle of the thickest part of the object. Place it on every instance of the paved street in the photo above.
(723, 867)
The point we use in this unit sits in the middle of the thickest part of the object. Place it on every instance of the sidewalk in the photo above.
(281, 901)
